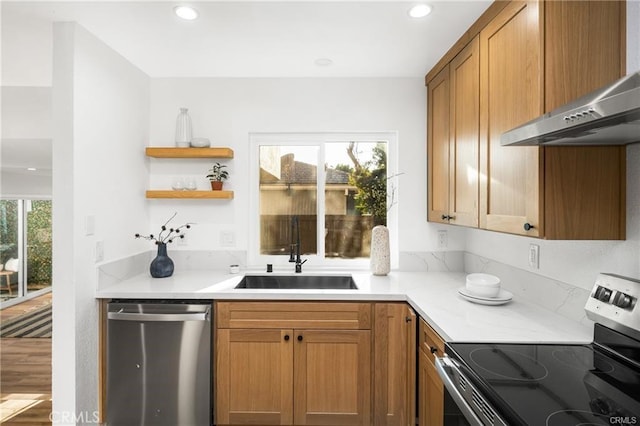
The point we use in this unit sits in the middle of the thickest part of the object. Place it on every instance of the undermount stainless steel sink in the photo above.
(299, 282)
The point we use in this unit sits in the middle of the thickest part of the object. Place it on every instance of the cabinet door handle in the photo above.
(446, 217)
(407, 319)
(528, 226)
(433, 349)
(286, 337)
(299, 337)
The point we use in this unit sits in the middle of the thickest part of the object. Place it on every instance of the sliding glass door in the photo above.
(25, 248)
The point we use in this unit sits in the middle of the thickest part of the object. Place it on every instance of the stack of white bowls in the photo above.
(483, 285)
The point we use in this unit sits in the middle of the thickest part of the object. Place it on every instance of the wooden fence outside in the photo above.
(346, 236)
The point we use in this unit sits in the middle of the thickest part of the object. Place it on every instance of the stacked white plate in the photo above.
(484, 289)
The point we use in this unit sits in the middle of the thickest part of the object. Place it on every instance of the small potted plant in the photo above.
(217, 175)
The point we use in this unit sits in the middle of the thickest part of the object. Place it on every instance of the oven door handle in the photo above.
(442, 365)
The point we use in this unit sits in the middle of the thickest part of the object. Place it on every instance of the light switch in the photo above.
(99, 251)
(89, 225)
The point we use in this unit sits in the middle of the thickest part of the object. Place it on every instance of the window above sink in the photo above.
(311, 179)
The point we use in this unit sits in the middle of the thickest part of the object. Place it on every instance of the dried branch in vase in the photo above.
(167, 235)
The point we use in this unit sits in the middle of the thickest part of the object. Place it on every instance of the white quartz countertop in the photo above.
(433, 295)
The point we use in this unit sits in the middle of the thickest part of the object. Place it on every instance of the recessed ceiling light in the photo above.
(186, 12)
(420, 10)
(31, 169)
(323, 62)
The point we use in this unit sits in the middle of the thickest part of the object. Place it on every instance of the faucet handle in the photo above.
(299, 266)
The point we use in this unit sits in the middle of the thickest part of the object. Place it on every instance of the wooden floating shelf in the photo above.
(221, 195)
(174, 152)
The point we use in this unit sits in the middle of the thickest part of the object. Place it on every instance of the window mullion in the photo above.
(321, 201)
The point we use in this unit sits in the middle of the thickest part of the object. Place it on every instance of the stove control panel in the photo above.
(614, 302)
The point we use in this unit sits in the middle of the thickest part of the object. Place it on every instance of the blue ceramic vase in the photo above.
(162, 265)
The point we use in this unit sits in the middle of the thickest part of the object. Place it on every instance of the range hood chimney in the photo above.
(607, 116)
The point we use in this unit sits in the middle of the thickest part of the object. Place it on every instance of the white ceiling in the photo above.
(242, 38)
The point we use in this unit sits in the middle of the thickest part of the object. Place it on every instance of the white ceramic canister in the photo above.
(380, 256)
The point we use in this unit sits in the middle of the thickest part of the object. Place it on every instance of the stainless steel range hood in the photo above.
(608, 116)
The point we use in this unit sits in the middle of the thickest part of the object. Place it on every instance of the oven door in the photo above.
(453, 415)
(464, 404)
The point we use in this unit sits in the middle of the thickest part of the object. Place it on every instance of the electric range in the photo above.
(554, 384)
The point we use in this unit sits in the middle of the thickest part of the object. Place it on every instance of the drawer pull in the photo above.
(286, 337)
(433, 349)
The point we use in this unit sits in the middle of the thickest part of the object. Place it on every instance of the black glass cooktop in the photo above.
(553, 385)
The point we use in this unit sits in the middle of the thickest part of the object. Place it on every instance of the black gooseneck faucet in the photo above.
(295, 256)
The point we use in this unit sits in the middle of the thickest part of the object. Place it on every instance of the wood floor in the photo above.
(25, 373)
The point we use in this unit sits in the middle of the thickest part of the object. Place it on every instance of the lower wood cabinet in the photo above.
(315, 363)
(303, 373)
(430, 386)
(254, 377)
(394, 364)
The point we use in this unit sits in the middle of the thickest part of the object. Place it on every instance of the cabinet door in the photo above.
(438, 96)
(464, 76)
(510, 95)
(434, 393)
(584, 195)
(423, 402)
(332, 371)
(254, 377)
(394, 364)
(430, 386)
(584, 48)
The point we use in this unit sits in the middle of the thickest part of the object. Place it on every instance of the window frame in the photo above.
(319, 139)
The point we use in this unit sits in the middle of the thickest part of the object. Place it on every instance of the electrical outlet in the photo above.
(442, 239)
(534, 256)
(227, 239)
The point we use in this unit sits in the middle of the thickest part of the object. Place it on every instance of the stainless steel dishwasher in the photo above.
(159, 363)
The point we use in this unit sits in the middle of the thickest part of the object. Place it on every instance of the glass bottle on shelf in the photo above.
(183, 128)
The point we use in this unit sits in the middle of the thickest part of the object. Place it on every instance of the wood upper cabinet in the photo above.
(394, 364)
(534, 57)
(438, 99)
(452, 143)
(283, 363)
(584, 48)
(430, 386)
(511, 93)
(584, 193)
(557, 192)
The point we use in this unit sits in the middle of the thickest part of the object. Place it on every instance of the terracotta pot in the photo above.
(216, 185)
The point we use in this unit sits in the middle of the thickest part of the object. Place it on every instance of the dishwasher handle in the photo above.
(442, 365)
(128, 316)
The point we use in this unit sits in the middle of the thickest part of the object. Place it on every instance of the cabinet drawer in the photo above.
(429, 339)
(309, 315)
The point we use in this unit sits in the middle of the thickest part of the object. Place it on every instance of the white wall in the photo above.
(227, 110)
(101, 118)
(26, 112)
